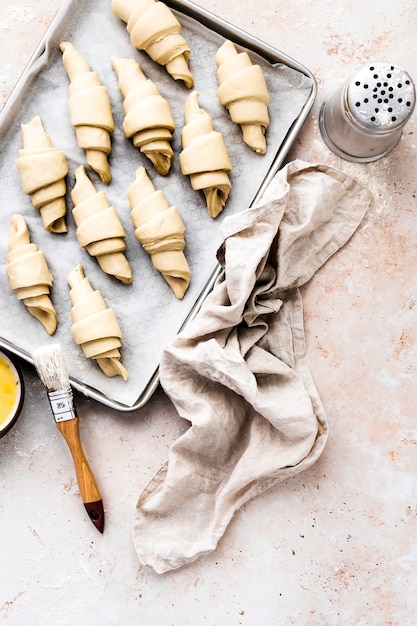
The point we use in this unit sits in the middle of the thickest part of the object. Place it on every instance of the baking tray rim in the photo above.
(238, 36)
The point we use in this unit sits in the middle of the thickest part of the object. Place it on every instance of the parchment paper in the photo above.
(148, 312)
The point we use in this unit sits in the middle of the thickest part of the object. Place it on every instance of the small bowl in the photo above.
(12, 393)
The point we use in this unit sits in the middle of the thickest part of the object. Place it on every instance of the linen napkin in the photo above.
(238, 372)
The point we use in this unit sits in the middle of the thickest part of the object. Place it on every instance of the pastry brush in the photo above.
(50, 364)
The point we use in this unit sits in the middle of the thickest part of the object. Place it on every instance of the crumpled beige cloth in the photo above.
(238, 372)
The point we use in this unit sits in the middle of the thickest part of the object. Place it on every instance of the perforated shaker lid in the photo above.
(381, 96)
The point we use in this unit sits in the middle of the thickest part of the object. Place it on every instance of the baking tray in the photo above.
(147, 305)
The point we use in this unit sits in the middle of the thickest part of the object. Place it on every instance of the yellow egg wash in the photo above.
(8, 390)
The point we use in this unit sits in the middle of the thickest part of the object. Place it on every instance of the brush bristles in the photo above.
(51, 367)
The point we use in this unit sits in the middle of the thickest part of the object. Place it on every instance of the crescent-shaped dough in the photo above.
(243, 91)
(204, 157)
(28, 274)
(148, 119)
(99, 228)
(89, 111)
(42, 170)
(94, 326)
(153, 27)
(160, 229)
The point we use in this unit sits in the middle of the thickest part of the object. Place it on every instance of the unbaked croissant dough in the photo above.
(28, 274)
(89, 111)
(153, 27)
(94, 326)
(204, 156)
(243, 91)
(42, 170)
(148, 119)
(99, 228)
(160, 229)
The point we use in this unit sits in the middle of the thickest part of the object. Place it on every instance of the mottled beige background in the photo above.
(333, 546)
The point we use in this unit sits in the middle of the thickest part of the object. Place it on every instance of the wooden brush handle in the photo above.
(85, 478)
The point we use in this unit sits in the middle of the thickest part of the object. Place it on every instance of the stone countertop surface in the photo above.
(333, 545)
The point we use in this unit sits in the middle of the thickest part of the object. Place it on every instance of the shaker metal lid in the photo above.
(380, 96)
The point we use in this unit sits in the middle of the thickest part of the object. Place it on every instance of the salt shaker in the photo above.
(363, 120)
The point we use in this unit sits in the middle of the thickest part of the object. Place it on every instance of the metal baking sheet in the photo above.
(148, 312)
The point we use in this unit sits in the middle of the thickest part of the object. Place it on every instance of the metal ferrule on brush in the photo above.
(62, 404)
